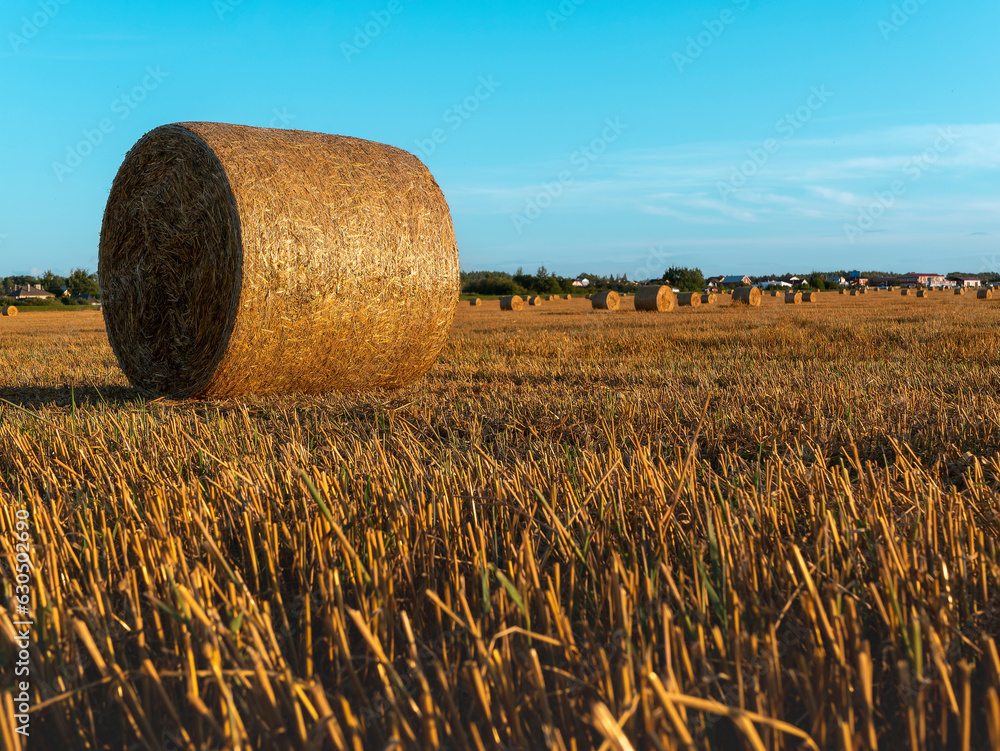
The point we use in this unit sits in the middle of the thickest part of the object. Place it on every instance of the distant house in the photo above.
(581, 283)
(838, 280)
(29, 292)
(792, 280)
(856, 278)
(916, 279)
(735, 281)
(773, 283)
(713, 281)
(967, 281)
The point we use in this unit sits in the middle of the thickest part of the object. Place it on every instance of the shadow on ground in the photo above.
(64, 396)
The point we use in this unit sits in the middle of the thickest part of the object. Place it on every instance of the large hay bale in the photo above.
(511, 302)
(793, 298)
(708, 298)
(607, 300)
(10, 310)
(984, 294)
(747, 296)
(237, 260)
(810, 296)
(475, 301)
(655, 298)
(535, 300)
(689, 299)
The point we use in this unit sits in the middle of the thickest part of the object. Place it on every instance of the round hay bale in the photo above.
(774, 293)
(843, 291)
(793, 298)
(511, 302)
(689, 299)
(959, 291)
(590, 297)
(237, 260)
(854, 293)
(475, 302)
(904, 292)
(535, 300)
(10, 310)
(567, 297)
(708, 298)
(655, 298)
(607, 300)
(984, 294)
(923, 293)
(810, 296)
(747, 296)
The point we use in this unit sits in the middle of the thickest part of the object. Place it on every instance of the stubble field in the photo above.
(722, 527)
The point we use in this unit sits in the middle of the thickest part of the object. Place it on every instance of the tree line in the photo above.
(80, 283)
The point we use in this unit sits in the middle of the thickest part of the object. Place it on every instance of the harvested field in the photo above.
(742, 527)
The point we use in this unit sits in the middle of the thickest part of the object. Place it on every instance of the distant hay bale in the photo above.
(854, 293)
(566, 297)
(475, 302)
(904, 292)
(590, 297)
(747, 296)
(655, 298)
(10, 310)
(959, 291)
(689, 299)
(793, 298)
(511, 302)
(708, 299)
(774, 293)
(250, 261)
(923, 293)
(535, 300)
(607, 300)
(810, 296)
(843, 291)
(984, 294)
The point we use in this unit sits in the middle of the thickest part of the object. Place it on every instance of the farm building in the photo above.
(967, 281)
(915, 279)
(734, 281)
(29, 292)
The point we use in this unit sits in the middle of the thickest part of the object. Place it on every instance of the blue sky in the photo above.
(615, 137)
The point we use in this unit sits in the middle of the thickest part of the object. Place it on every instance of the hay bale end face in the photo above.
(475, 302)
(984, 294)
(511, 302)
(689, 299)
(10, 310)
(747, 296)
(237, 261)
(655, 298)
(793, 298)
(607, 300)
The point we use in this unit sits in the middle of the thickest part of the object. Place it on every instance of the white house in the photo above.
(581, 283)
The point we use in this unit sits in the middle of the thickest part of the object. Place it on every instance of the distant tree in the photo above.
(816, 281)
(685, 279)
(82, 283)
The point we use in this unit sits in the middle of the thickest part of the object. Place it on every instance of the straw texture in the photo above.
(793, 298)
(655, 298)
(984, 294)
(238, 260)
(747, 296)
(511, 302)
(689, 299)
(606, 300)
(10, 310)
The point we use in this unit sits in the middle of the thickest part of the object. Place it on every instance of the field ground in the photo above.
(722, 527)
